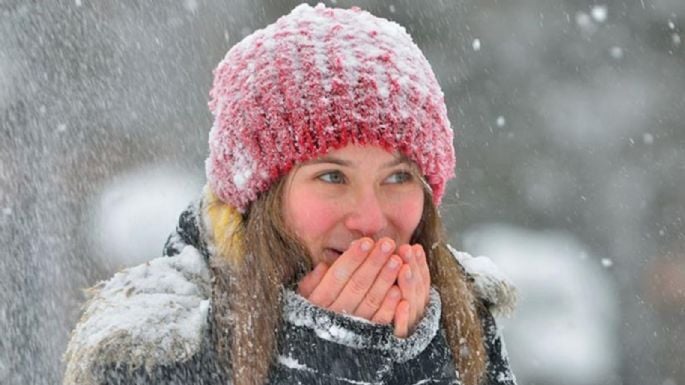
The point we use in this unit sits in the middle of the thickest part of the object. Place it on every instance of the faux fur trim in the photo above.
(149, 315)
(489, 282)
(359, 333)
(222, 227)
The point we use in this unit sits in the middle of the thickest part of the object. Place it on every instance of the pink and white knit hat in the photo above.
(316, 80)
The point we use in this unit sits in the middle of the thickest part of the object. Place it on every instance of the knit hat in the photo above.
(316, 80)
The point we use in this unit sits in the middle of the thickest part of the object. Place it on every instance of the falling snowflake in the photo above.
(616, 52)
(599, 13)
(648, 138)
(584, 21)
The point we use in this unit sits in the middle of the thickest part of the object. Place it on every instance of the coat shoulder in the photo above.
(490, 284)
(148, 316)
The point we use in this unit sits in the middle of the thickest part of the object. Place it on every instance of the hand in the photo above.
(414, 283)
(377, 288)
(361, 282)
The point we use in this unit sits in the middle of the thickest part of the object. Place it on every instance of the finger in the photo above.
(340, 272)
(402, 319)
(361, 281)
(422, 261)
(412, 261)
(377, 293)
(405, 281)
(416, 301)
(386, 313)
(307, 284)
(424, 272)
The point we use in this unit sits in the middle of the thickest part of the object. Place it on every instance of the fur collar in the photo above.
(490, 284)
(149, 315)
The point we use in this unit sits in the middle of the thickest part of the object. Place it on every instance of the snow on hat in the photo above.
(316, 80)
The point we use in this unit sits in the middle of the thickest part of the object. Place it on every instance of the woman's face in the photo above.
(353, 192)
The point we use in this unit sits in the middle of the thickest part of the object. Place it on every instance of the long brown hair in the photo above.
(257, 255)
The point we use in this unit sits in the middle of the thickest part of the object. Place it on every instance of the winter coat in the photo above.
(150, 324)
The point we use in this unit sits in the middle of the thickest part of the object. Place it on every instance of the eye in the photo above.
(399, 177)
(334, 177)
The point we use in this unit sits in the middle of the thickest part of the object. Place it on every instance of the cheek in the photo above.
(310, 217)
(408, 212)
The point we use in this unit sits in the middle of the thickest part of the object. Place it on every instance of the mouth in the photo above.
(331, 254)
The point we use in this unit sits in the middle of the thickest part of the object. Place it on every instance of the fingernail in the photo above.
(386, 247)
(366, 245)
(393, 264)
(408, 255)
(408, 275)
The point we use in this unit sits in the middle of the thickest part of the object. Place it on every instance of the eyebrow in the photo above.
(346, 163)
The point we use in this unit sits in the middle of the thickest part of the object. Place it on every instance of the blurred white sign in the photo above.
(136, 212)
(564, 328)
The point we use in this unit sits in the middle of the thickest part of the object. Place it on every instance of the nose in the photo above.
(366, 215)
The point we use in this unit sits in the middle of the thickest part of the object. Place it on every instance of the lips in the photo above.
(331, 254)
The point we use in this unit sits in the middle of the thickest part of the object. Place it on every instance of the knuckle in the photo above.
(357, 287)
(373, 301)
(341, 274)
(387, 278)
(378, 260)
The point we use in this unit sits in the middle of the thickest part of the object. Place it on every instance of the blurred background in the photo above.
(570, 132)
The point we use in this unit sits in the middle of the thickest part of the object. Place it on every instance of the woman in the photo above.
(316, 253)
